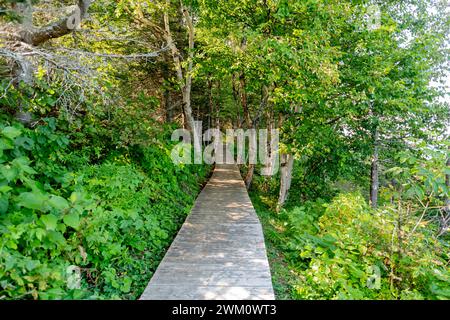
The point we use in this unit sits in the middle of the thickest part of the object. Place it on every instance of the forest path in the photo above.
(219, 253)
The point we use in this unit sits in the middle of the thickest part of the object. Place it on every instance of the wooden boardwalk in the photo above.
(219, 253)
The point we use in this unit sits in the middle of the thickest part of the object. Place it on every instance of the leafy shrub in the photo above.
(96, 232)
(365, 254)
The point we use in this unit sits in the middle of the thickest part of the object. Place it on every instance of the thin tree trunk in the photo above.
(23, 67)
(374, 174)
(445, 218)
(249, 177)
(185, 80)
(218, 107)
(270, 154)
(188, 86)
(248, 121)
(249, 125)
(253, 124)
(447, 183)
(244, 104)
(171, 45)
(287, 165)
(236, 100)
(175, 56)
(210, 104)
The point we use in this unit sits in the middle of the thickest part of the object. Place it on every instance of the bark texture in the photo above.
(287, 165)
(374, 171)
(184, 76)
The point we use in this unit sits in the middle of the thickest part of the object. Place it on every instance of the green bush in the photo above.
(364, 254)
(98, 231)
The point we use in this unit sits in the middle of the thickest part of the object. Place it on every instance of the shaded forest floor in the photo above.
(282, 277)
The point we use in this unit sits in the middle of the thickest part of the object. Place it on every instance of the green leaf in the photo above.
(395, 171)
(52, 294)
(32, 264)
(126, 287)
(72, 220)
(6, 144)
(11, 132)
(8, 172)
(61, 228)
(415, 191)
(74, 197)
(5, 189)
(50, 221)
(57, 237)
(40, 233)
(22, 163)
(4, 204)
(33, 200)
(59, 203)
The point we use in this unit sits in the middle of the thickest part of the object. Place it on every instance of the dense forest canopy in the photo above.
(90, 92)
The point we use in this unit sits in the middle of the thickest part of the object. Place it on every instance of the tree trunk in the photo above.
(236, 100)
(249, 177)
(188, 84)
(244, 104)
(447, 183)
(171, 45)
(23, 67)
(271, 152)
(249, 125)
(185, 80)
(210, 104)
(23, 73)
(374, 174)
(25, 11)
(188, 88)
(445, 218)
(175, 55)
(287, 165)
(218, 107)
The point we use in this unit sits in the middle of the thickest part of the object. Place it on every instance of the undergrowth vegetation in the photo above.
(354, 98)
(340, 248)
(71, 231)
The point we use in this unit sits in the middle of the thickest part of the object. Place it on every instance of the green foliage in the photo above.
(361, 254)
(98, 232)
(420, 177)
(89, 198)
(345, 250)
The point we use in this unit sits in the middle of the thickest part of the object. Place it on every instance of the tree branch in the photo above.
(59, 28)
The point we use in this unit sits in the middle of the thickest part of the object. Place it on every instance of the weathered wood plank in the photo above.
(219, 253)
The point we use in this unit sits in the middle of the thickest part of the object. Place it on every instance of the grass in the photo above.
(282, 276)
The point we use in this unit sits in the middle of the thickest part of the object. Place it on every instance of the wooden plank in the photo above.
(219, 253)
